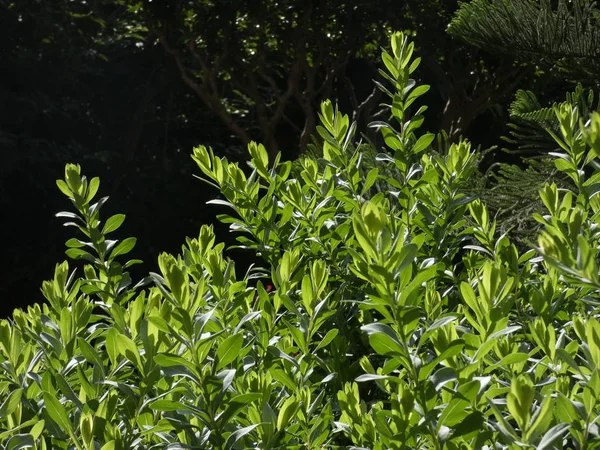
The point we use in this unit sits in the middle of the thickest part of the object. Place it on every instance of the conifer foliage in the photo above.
(562, 39)
(563, 34)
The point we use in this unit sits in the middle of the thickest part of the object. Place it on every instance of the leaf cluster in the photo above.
(561, 35)
(394, 319)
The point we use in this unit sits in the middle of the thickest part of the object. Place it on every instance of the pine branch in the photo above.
(566, 38)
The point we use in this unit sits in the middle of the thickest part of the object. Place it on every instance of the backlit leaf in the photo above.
(57, 412)
(11, 403)
(229, 350)
(113, 223)
(124, 247)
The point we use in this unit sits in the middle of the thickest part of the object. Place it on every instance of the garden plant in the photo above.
(388, 313)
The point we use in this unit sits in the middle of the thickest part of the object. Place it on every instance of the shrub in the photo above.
(396, 319)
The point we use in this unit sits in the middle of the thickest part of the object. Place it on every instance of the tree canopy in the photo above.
(126, 87)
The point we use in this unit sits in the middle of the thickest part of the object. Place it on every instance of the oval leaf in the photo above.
(113, 223)
(124, 247)
(229, 350)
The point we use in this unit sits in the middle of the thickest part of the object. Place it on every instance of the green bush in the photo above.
(397, 318)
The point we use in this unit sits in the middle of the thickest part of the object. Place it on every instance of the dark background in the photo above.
(91, 83)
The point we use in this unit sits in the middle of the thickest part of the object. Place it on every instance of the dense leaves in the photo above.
(396, 319)
(125, 87)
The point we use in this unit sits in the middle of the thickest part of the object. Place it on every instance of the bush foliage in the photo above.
(395, 316)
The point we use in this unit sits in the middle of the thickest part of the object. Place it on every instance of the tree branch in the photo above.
(210, 99)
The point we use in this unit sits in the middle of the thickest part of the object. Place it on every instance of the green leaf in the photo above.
(280, 354)
(370, 180)
(471, 425)
(372, 377)
(67, 326)
(406, 256)
(167, 405)
(77, 253)
(67, 390)
(373, 217)
(124, 247)
(110, 445)
(416, 93)
(111, 345)
(260, 158)
(64, 188)
(186, 407)
(92, 189)
(362, 237)
(176, 277)
(19, 441)
(423, 143)
(75, 243)
(57, 412)
(327, 114)
(113, 223)
(552, 435)
(383, 339)
(11, 403)
(451, 350)
(229, 350)
(519, 400)
(288, 409)
(507, 361)
(170, 360)
(237, 435)
(129, 350)
(308, 296)
(298, 336)
(384, 345)
(468, 391)
(390, 64)
(132, 262)
(416, 283)
(454, 413)
(392, 140)
(566, 410)
(564, 165)
(37, 429)
(330, 336)
(235, 404)
(440, 323)
(468, 295)
(543, 419)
